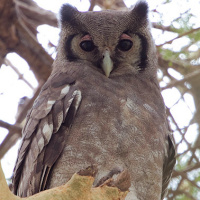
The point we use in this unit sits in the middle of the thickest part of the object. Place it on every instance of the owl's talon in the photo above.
(109, 176)
(122, 181)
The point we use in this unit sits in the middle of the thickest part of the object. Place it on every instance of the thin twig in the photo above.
(186, 78)
(179, 36)
(8, 63)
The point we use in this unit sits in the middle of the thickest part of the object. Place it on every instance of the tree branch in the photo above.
(8, 126)
(15, 130)
(36, 15)
(79, 187)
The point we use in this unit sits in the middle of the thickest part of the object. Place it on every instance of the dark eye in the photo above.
(87, 45)
(125, 45)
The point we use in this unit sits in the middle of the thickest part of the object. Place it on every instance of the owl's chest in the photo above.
(117, 123)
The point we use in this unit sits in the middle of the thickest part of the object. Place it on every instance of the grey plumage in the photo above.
(101, 105)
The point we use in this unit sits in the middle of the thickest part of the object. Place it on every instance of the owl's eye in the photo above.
(125, 45)
(87, 45)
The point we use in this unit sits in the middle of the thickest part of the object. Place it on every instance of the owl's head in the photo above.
(113, 42)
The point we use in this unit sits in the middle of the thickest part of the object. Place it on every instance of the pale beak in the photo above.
(107, 64)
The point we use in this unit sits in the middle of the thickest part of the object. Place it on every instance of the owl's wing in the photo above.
(168, 166)
(45, 132)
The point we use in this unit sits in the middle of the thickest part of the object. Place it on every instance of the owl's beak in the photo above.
(107, 64)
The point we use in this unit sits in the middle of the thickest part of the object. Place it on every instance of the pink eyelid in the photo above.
(124, 36)
(86, 37)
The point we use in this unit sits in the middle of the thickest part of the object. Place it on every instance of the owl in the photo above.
(100, 106)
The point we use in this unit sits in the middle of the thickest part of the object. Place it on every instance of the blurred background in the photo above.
(29, 35)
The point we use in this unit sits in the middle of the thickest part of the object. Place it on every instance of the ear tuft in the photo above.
(141, 10)
(67, 13)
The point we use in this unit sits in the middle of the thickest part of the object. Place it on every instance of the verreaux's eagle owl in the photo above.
(101, 105)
